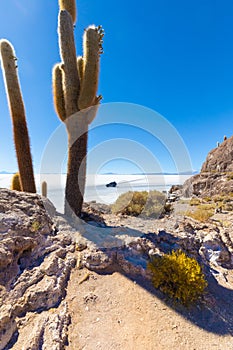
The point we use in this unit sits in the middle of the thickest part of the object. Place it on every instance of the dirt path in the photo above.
(113, 312)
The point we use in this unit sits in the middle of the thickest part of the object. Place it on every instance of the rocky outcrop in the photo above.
(210, 243)
(35, 264)
(39, 250)
(216, 176)
(220, 159)
(208, 185)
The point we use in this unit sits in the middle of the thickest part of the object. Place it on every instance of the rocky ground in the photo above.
(74, 284)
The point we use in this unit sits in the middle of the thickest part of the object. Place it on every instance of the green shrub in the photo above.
(178, 276)
(150, 204)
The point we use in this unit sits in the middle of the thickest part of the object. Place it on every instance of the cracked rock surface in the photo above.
(35, 264)
(59, 276)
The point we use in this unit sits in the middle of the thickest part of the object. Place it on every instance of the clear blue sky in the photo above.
(174, 57)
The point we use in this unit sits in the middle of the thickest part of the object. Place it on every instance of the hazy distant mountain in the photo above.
(5, 172)
(181, 173)
(161, 173)
(109, 174)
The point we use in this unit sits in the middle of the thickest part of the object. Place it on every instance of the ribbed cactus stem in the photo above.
(15, 182)
(58, 92)
(70, 6)
(91, 52)
(68, 54)
(44, 189)
(80, 65)
(17, 110)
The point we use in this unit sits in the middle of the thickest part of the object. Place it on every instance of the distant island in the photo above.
(161, 173)
(5, 172)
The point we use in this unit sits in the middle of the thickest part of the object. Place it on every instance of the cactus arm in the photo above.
(58, 93)
(70, 6)
(17, 110)
(80, 64)
(91, 68)
(68, 55)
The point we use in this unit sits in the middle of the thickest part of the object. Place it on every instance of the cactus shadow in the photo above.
(214, 313)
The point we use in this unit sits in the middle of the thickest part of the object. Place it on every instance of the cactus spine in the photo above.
(17, 110)
(75, 83)
(44, 189)
(15, 182)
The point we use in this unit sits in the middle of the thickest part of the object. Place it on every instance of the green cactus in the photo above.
(17, 110)
(44, 189)
(75, 83)
(15, 182)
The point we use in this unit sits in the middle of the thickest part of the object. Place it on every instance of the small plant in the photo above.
(15, 182)
(230, 176)
(228, 206)
(35, 226)
(194, 201)
(208, 206)
(178, 276)
(207, 199)
(149, 204)
(200, 214)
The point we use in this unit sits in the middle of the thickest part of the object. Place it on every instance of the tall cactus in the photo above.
(17, 110)
(44, 189)
(75, 83)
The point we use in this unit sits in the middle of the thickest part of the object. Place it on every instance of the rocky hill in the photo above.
(220, 159)
(71, 285)
(216, 176)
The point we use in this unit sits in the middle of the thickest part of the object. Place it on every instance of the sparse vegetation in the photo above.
(178, 276)
(150, 204)
(35, 226)
(207, 199)
(200, 214)
(208, 206)
(194, 201)
(230, 176)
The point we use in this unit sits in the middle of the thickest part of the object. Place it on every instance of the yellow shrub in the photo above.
(194, 201)
(200, 214)
(149, 204)
(208, 206)
(178, 276)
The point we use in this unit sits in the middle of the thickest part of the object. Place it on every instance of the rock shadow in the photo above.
(128, 252)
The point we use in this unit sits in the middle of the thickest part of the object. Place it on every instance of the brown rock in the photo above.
(220, 159)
